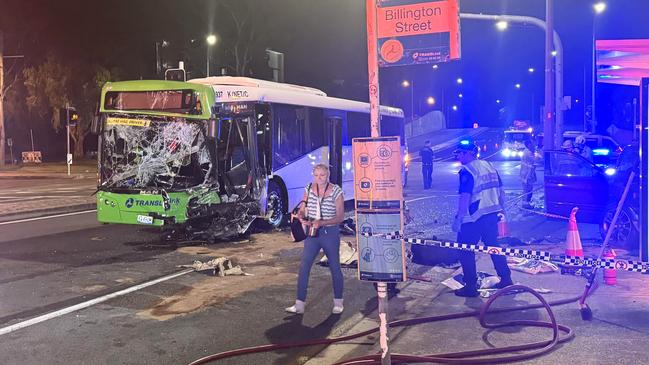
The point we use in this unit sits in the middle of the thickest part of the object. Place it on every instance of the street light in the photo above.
(435, 67)
(211, 40)
(599, 8)
(497, 101)
(502, 25)
(530, 70)
(430, 100)
(518, 86)
(460, 95)
(459, 81)
(454, 107)
(406, 84)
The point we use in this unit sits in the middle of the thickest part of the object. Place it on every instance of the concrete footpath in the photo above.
(33, 190)
(618, 332)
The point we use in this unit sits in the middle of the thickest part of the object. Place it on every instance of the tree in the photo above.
(53, 85)
(5, 86)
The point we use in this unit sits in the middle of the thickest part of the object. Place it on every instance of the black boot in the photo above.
(504, 282)
(467, 292)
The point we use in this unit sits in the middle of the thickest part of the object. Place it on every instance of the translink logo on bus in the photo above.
(130, 202)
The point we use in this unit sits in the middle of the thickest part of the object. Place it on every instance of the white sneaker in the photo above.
(338, 306)
(297, 308)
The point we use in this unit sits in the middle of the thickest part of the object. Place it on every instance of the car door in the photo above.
(572, 181)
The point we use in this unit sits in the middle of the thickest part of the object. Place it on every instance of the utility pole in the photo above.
(549, 115)
(2, 99)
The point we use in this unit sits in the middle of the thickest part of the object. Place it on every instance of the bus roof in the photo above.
(242, 89)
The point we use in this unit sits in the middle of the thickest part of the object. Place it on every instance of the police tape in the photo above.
(627, 265)
(543, 214)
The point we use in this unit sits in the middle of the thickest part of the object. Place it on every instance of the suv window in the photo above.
(592, 143)
(609, 143)
(569, 164)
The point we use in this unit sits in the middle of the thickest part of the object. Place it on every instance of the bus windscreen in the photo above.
(171, 101)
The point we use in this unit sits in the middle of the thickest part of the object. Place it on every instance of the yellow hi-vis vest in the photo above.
(486, 189)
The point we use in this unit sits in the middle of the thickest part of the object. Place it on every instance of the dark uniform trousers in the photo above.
(486, 227)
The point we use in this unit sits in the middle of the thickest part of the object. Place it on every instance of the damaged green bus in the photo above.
(208, 156)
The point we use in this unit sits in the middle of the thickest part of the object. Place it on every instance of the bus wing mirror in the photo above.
(211, 129)
(95, 126)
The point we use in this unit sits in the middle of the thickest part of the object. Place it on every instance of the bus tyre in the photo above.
(625, 234)
(277, 210)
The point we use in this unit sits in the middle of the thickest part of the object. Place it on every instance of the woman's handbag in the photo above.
(297, 229)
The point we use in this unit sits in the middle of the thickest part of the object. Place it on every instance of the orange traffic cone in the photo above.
(610, 275)
(503, 229)
(573, 242)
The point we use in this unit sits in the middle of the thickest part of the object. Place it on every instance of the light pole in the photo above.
(411, 85)
(554, 107)
(211, 40)
(598, 8)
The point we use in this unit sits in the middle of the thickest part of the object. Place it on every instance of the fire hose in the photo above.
(560, 334)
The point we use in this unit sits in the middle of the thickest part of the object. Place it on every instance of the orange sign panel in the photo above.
(412, 32)
(377, 173)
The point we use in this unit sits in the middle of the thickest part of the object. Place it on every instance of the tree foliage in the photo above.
(54, 84)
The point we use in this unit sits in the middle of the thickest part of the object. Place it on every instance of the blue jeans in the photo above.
(329, 241)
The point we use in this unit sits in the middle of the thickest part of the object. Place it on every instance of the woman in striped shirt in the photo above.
(324, 212)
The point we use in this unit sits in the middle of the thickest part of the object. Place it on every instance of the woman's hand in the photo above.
(316, 224)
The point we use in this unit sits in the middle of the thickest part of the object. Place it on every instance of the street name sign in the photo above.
(413, 32)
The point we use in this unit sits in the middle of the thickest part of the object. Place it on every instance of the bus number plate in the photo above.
(145, 219)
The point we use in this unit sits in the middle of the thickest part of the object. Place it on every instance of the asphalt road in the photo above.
(53, 263)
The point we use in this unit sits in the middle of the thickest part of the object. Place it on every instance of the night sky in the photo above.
(324, 44)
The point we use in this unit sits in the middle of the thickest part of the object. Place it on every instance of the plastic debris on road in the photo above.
(220, 266)
(531, 266)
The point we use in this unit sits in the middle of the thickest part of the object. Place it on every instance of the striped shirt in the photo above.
(328, 205)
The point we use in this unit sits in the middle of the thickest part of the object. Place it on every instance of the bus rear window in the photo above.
(171, 101)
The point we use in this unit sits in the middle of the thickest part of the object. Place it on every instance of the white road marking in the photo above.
(48, 217)
(86, 304)
(428, 197)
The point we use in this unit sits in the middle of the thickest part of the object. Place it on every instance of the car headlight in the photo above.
(507, 152)
(610, 171)
(520, 153)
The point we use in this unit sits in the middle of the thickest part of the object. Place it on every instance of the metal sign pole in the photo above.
(644, 169)
(373, 78)
(67, 127)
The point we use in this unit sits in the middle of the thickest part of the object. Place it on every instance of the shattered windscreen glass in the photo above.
(148, 153)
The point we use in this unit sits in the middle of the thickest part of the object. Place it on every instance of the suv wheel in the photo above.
(624, 234)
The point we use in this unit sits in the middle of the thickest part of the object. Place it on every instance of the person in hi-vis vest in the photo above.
(481, 199)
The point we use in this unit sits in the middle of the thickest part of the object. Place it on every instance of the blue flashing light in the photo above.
(601, 152)
(464, 142)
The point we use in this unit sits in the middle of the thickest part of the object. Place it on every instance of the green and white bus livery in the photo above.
(211, 155)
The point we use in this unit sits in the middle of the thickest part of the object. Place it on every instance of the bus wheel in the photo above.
(276, 205)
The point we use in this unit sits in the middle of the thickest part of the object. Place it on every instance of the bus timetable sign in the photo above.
(412, 32)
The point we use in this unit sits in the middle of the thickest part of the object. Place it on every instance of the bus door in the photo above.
(237, 158)
(334, 141)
